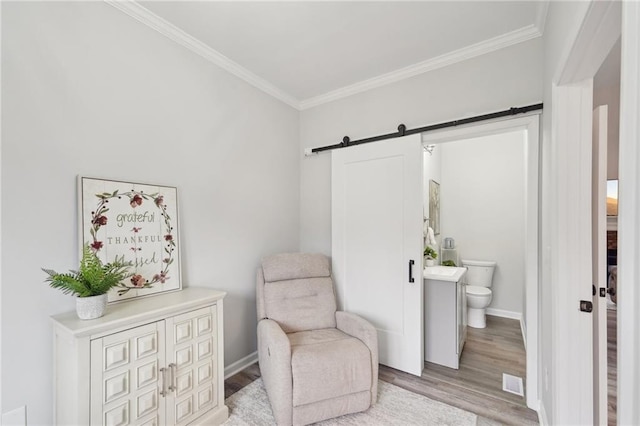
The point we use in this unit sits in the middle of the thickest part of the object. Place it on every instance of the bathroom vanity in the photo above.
(445, 325)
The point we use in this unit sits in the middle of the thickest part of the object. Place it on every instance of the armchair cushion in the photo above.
(362, 329)
(291, 266)
(301, 304)
(326, 364)
(296, 291)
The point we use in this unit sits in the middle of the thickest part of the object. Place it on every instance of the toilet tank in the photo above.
(479, 272)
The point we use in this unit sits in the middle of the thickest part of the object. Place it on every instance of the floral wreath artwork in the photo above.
(135, 223)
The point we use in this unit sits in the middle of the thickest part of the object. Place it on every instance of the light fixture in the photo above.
(429, 149)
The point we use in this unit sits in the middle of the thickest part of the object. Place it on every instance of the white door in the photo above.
(599, 264)
(377, 243)
(192, 351)
(129, 381)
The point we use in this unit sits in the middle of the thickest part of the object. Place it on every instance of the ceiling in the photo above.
(306, 53)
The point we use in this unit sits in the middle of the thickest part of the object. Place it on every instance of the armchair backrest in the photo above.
(296, 291)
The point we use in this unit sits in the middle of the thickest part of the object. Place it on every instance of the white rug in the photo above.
(396, 406)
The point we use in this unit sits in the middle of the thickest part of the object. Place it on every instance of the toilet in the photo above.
(479, 278)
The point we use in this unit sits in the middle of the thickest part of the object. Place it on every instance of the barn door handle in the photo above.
(411, 263)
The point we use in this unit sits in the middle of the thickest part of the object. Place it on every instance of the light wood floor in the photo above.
(475, 387)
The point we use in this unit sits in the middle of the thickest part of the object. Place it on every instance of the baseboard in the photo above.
(240, 364)
(542, 415)
(523, 329)
(504, 314)
(213, 417)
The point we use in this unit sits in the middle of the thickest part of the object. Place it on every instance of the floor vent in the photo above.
(512, 384)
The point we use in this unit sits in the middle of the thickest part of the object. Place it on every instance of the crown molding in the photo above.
(541, 17)
(145, 16)
(174, 33)
(518, 36)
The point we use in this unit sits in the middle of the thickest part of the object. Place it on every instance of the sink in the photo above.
(444, 273)
(441, 270)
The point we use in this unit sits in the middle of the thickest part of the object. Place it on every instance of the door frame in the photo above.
(599, 261)
(569, 241)
(530, 123)
(629, 219)
(604, 22)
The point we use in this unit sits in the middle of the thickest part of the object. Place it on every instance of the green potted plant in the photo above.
(90, 283)
(430, 256)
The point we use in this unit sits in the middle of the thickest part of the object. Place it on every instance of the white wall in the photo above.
(491, 82)
(482, 201)
(88, 90)
(606, 91)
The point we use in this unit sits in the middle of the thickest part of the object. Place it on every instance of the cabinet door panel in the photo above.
(183, 356)
(153, 421)
(116, 355)
(182, 331)
(204, 325)
(205, 349)
(147, 403)
(184, 383)
(184, 410)
(205, 397)
(147, 374)
(194, 358)
(116, 387)
(125, 377)
(146, 345)
(205, 373)
(118, 415)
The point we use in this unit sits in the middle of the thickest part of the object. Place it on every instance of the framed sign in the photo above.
(136, 223)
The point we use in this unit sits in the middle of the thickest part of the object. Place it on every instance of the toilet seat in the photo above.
(478, 291)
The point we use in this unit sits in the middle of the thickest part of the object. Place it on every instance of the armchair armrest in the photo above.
(274, 357)
(363, 330)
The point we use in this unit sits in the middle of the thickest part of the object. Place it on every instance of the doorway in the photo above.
(530, 126)
(606, 100)
(570, 198)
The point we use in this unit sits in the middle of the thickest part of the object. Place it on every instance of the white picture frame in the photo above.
(434, 206)
(137, 223)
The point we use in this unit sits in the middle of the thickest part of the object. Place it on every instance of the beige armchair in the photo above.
(316, 362)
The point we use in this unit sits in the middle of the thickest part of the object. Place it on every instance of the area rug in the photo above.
(396, 406)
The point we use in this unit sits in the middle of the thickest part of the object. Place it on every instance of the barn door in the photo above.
(377, 242)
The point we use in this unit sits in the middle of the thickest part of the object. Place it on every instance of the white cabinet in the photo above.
(444, 316)
(154, 361)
